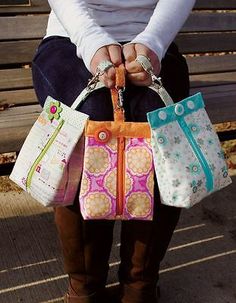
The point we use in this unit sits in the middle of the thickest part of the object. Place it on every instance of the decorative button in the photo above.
(179, 109)
(190, 104)
(195, 128)
(162, 115)
(103, 135)
(161, 139)
(53, 109)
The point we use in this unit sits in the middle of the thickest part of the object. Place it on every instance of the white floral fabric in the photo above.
(188, 158)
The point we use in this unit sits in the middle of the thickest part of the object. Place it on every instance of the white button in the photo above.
(161, 140)
(179, 109)
(102, 135)
(162, 115)
(190, 104)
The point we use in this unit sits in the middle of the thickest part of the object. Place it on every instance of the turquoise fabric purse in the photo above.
(188, 158)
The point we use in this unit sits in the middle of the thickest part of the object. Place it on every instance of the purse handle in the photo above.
(94, 84)
(117, 94)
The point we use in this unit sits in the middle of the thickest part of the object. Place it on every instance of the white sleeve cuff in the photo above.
(87, 49)
(82, 29)
(163, 26)
(146, 39)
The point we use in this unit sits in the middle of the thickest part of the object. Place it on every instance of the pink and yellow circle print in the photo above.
(139, 160)
(96, 160)
(128, 183)
(110, 182)
(85, 184)
(97, 205)
(139, 204)
(150, 182)
(112, 144)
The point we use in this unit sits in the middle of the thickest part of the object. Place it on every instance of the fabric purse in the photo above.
(50, 161)
(118, 171)
(188, 158)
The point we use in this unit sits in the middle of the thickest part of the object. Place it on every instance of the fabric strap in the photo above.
(116, 94)
(160, 90)
(120, 83)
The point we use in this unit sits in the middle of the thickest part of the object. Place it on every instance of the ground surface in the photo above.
(200, 265)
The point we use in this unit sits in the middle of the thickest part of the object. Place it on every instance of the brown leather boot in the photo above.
(143, 246)
(130, 294)
(72, 297)
(86, 247)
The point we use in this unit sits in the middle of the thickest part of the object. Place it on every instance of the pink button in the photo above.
(53, 109)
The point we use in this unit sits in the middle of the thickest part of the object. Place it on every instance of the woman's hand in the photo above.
(135, 72)
(110, 53)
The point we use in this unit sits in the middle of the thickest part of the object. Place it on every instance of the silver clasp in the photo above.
(101, 69)
(120, 97)
(145, 62)
(93, 82)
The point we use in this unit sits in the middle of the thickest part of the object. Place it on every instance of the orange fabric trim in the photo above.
(120, 76)
(119, 129)
(120, 83)
(120, 176)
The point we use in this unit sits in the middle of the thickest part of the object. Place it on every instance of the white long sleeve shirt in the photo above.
(91, 24)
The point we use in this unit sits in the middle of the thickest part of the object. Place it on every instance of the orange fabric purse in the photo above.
(118, 171)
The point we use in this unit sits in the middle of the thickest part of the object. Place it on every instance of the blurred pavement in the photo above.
(200, 265)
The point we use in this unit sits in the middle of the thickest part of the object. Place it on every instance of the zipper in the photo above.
(42, 154)
(120, 175)
(198, 153)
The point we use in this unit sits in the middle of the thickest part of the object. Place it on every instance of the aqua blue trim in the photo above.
(165, 115)
(156, 122)
(202, 160)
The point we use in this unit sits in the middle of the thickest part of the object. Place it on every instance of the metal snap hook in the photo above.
(102, 67)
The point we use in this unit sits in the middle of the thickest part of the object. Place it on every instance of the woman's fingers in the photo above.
(115, 54)
(109, 76)
(141, 49)
(135, 72)
(129, 52)
(110, 53)
(140, 79)
(133, 67)
(100, 55)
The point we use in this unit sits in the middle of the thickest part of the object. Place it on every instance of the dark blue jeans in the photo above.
(58, 72)
(86, 245)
